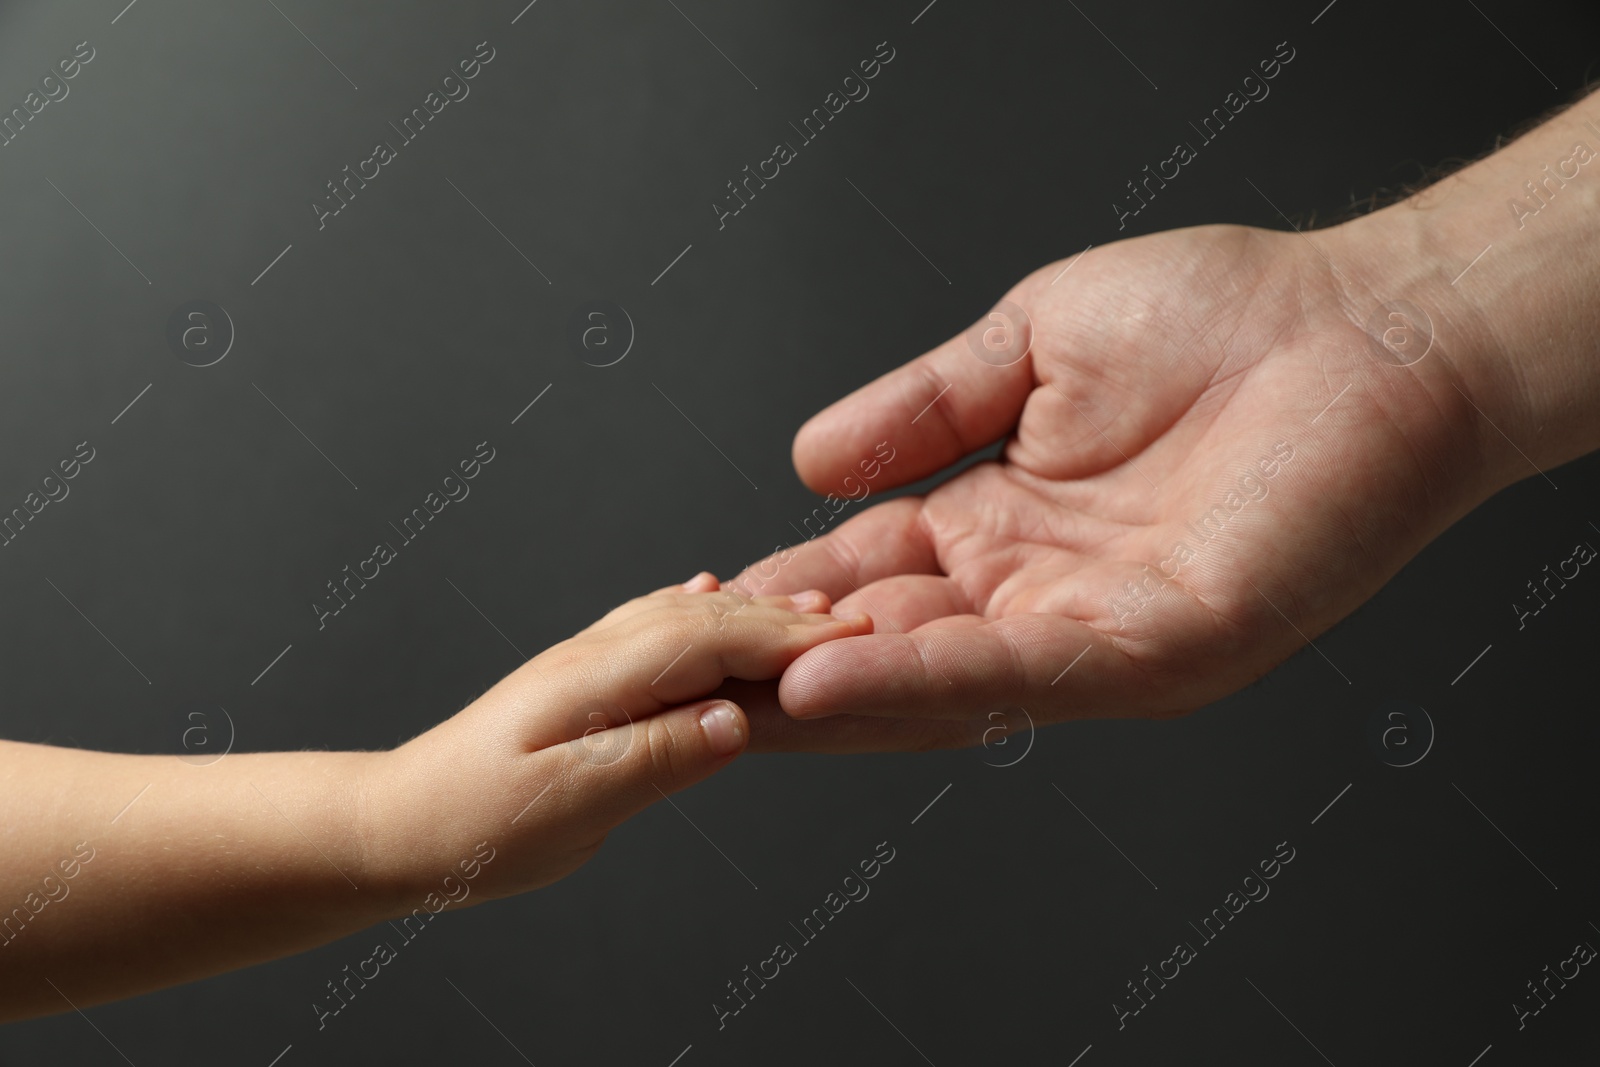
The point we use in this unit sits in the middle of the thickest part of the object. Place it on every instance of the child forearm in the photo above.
(124, 874)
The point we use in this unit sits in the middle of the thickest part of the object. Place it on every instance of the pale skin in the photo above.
(257, 856)
(1160, 370)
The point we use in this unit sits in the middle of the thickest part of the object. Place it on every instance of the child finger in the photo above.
(678, 653)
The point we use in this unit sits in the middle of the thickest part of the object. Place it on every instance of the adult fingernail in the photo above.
(724, 732)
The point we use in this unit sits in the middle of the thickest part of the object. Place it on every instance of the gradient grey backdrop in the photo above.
(409, 330)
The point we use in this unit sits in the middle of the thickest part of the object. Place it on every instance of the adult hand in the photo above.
(1219, 442)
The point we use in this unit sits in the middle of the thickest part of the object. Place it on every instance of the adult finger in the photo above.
(771, 730)
(1057, 668)
(884, 540)
(923, 416)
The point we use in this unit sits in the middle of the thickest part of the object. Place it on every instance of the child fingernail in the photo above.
(809, 600)
(724, 732)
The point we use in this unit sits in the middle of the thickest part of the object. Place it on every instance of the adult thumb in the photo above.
(921, 417)
(617, 772)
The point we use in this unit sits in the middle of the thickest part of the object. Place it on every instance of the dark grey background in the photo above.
(408, 330)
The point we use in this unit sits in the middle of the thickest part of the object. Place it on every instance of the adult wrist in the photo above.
(1502, 262)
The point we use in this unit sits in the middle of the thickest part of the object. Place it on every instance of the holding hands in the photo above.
(261, 855)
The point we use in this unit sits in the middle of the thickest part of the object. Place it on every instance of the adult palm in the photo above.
(1208, 461)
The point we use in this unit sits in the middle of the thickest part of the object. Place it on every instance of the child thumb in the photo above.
(617, 772)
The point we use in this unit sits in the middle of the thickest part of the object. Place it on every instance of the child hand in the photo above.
(586, 734)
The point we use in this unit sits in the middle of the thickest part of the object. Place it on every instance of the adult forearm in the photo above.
(124, 874)
(1504, 258)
